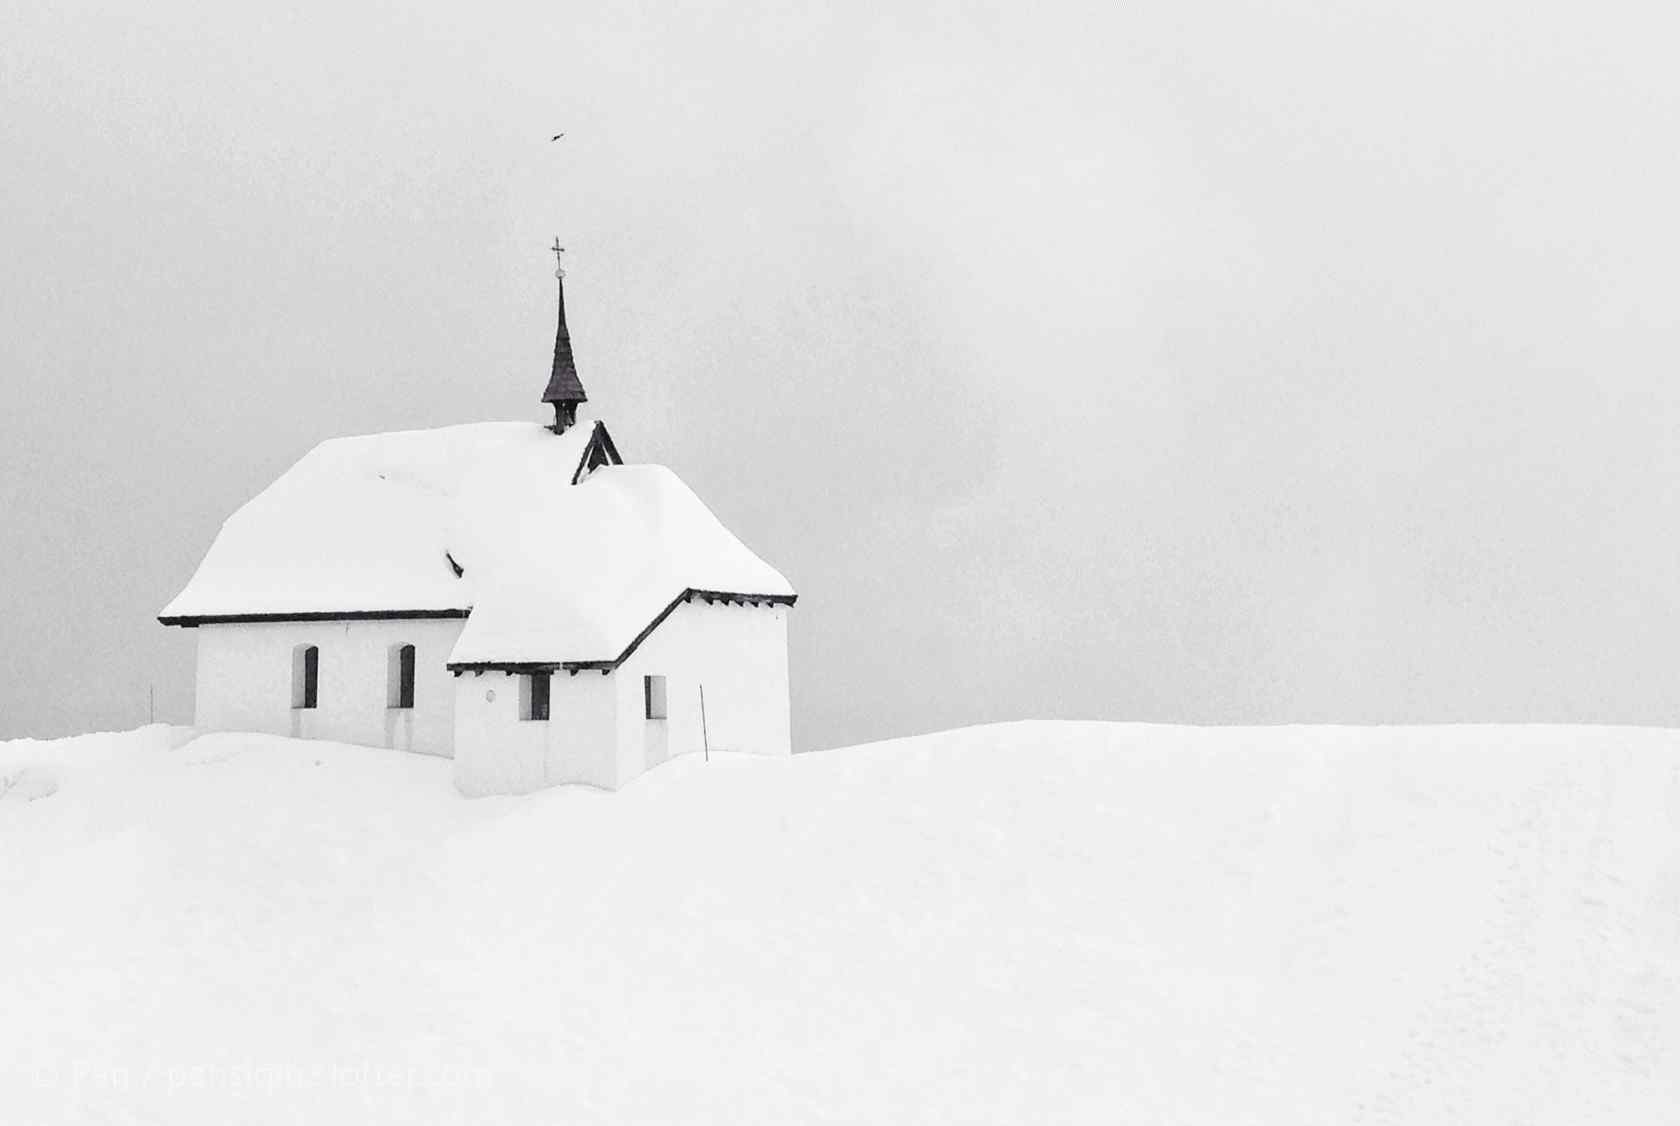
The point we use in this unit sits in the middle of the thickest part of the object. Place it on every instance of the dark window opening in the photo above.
(534, 696)
(653, 696)
(306, 668)
(400, 677)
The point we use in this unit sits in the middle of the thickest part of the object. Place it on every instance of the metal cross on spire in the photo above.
(559, 266)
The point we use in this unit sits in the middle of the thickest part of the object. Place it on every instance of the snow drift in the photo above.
(1033, 922)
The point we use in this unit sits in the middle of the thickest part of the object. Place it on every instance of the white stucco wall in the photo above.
(597, 731)
(496, 752)
(245, 681)
(739, 654)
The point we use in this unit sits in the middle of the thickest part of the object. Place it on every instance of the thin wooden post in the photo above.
(706, 739)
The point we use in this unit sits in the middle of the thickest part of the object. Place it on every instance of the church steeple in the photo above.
(564, 389)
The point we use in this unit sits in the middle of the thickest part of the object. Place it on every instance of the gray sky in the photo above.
(1171, 361)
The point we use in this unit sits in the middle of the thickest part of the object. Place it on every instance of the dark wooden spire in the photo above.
(565, 390)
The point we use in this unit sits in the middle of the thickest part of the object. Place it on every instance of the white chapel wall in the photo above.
(739, 654)
(598, 732)
(496, 752)
(245, 681)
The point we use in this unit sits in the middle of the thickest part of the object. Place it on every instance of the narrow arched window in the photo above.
(306, 668)
(399, 692)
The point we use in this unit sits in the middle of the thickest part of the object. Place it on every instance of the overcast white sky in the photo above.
(1242, 362)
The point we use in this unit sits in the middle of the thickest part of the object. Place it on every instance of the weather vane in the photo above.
(559, 266)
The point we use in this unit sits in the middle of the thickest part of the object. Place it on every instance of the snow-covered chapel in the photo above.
(510, 594)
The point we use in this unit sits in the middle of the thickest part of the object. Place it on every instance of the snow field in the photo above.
(1027, 922)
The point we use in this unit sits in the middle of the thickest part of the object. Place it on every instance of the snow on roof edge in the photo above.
(367, 527)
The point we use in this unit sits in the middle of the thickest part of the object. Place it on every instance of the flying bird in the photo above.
(556, 137)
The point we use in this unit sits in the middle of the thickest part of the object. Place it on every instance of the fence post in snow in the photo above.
(705, 739)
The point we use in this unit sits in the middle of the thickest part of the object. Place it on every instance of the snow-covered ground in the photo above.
(1023, 923)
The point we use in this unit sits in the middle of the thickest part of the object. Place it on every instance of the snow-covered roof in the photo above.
(552, 572)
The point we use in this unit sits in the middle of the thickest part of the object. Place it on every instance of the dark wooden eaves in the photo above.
(603, 667)
(479, 668)
(190, 621)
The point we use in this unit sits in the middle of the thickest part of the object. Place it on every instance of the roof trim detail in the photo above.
(688, 595)
(191, 621)
(600, 443)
